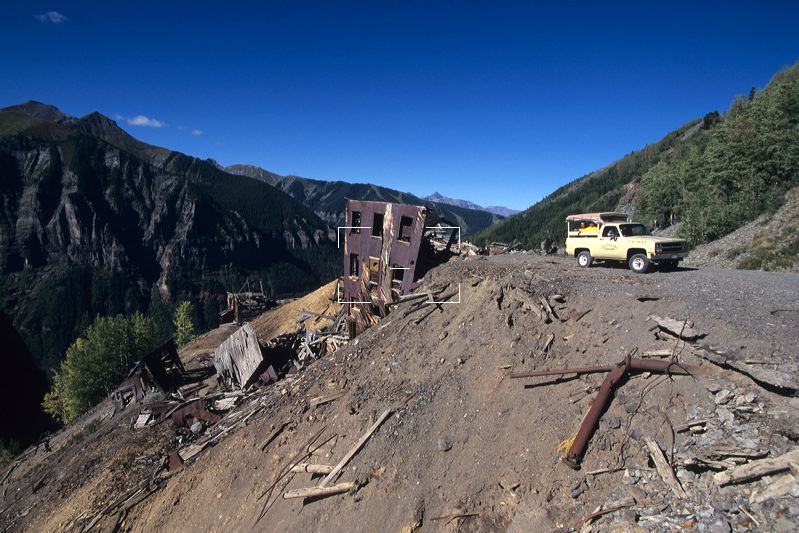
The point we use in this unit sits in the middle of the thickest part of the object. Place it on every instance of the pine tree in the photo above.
(184, 323)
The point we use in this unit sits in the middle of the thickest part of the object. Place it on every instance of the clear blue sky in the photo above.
(499, 105)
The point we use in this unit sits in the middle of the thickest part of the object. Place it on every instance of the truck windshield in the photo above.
(633, 230)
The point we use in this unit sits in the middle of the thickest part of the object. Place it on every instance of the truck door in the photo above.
(608, 242)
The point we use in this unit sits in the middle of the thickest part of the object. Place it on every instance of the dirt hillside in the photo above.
(466, 447)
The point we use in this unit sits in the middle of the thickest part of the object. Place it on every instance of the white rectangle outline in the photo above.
(339, 228)
(338, 245)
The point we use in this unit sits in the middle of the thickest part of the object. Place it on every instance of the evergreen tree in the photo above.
(184, 323)
(96, 362)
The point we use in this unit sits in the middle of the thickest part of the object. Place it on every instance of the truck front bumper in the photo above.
(668, 256)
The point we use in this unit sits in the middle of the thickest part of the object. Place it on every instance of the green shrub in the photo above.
(96, 363)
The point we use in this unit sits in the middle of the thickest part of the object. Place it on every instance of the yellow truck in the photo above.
(613, 237)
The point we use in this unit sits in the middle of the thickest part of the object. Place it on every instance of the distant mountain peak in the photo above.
(497, 210)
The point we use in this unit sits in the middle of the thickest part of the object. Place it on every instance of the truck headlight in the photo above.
(658, 249)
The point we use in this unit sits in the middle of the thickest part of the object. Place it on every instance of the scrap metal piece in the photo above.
(188, 413)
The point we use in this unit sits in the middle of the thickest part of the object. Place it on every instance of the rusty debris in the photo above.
(617, 374)
(194, 411)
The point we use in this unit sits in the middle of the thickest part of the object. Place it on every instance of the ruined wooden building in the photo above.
(158, 372)
(387, 250)
(246, 304)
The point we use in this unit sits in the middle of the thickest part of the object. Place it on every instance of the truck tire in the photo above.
(584, 259)
(639, 263)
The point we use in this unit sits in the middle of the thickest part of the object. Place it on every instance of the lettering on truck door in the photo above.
(609, 243)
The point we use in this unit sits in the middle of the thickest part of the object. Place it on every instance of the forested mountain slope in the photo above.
(713, 175)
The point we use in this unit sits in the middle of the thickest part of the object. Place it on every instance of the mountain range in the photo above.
(496, 209)
(93, 221)
(327, 198)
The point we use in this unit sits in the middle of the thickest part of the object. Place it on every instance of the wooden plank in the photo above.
(663, 468)
(239, 357)
(311, 469)
(321, 400)
(757, 469)
(355, 448)
(312, 492)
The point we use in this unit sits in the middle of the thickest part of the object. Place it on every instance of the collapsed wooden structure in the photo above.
(239, 359)
(246, 304)
(160, 371)
(387, 250)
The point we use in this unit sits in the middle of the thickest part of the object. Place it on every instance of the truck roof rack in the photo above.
(599, 218)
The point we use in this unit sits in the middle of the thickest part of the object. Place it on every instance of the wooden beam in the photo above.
(312, 492)
(758, 469)
(355, 448)
(311, 469)
(663, 468)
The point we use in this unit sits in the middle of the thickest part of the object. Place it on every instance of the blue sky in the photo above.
(499, 105)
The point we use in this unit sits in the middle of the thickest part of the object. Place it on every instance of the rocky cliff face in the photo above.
(82, 193)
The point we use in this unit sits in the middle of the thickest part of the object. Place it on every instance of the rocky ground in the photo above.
(465, 446)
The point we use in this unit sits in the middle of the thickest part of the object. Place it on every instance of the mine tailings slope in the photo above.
(467, 446)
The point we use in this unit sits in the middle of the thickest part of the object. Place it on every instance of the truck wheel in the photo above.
(639, 263)
(584, 259)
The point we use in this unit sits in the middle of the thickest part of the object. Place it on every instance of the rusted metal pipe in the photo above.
(577, 448)
(617, 374)
(635, 363)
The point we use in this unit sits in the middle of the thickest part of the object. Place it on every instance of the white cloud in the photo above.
(196, 132)
(51, 16)
(141, 120)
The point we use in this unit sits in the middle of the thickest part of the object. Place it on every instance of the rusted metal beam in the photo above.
(580, 443)
(580, 370)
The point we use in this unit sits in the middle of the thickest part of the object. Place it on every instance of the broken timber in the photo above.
(664, 469)
(355, 448)
(758, 469)
(315, 492)
(239, 358)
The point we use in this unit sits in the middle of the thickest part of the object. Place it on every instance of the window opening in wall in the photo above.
(406, 223)
(377, 225)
